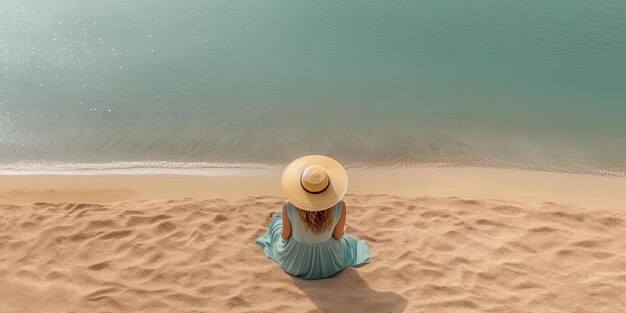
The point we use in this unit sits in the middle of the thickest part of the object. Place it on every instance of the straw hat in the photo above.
(314, 182)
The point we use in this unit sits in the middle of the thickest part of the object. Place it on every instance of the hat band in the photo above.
(313, 192)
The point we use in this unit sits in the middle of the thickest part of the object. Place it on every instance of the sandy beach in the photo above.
(143, 145)
(442, 240)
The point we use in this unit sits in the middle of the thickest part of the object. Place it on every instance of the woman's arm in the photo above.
(286, 233)
(339, 229)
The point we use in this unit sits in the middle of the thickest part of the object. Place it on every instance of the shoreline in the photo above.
(576, 190)
(213, 168)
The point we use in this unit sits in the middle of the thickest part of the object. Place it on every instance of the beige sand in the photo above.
(431, 253)
(428, 255)
(586, 191)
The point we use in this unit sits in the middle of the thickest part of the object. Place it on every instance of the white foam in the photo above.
(134, 167)
(239, 169)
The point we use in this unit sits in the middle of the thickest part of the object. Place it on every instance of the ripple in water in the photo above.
(534, 85)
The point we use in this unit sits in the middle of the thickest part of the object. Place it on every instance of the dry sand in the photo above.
(431, 253)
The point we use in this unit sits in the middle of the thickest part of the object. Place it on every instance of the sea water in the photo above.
(237, 83)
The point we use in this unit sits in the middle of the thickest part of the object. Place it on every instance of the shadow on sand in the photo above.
(348, 292)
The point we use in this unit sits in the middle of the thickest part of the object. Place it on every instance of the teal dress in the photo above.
(309, 255)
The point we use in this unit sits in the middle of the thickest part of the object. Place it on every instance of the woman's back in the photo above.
(307, 238)
(311, 255)
(301, 233)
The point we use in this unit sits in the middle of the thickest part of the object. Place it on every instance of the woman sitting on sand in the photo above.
(307, 239)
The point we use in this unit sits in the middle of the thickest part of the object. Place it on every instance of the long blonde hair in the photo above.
(316, 221)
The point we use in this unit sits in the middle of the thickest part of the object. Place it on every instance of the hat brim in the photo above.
(302, 199)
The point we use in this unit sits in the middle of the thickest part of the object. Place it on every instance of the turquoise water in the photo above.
(528, 84)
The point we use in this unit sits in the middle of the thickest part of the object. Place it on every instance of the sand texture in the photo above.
(428, 255)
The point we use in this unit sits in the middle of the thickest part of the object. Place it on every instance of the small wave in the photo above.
(223, 168)
(127, 167)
